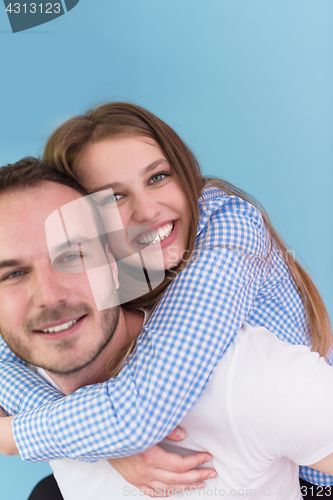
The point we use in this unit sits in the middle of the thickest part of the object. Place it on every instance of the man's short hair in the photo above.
(30, 172)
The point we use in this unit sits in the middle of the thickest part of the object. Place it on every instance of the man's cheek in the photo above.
(102, 288)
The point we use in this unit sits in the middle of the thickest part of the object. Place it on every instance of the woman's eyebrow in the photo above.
(117, 185)
(152, 166)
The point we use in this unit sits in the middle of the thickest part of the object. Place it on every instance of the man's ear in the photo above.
(113, 264)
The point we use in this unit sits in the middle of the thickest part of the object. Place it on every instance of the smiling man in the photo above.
(59, 307)
(49, 317)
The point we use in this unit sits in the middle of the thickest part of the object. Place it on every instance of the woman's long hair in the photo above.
(66, 144)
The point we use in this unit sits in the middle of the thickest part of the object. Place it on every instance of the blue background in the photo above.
(247, 83)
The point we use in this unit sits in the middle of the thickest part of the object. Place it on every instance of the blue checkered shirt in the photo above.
(236, 276)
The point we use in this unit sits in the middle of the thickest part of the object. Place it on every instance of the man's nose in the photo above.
(146, 210)
(48, 287)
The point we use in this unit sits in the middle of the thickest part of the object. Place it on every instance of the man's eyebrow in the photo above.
(73, 242)
(117, 185)
(10, 263)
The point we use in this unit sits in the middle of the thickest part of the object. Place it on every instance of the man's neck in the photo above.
(129, 326)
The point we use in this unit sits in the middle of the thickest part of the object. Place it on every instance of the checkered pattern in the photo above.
(235, 276)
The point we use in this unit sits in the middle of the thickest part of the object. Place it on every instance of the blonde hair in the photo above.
(65, 145)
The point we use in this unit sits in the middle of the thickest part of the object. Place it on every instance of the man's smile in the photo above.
(59, 326)
(61, 329)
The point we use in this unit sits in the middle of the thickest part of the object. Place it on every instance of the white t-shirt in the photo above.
(254, 417)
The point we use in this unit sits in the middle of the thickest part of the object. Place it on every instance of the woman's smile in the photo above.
(156, 236)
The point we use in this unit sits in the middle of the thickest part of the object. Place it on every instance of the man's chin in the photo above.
(65, 358)
(70, 362)
(62, 370)
(68, 368)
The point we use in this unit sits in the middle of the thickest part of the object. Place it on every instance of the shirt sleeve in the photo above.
(176, 353)
(20, 388)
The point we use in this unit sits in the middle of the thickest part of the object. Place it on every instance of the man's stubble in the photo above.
(108, 325)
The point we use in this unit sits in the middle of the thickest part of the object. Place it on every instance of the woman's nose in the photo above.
(146, 210)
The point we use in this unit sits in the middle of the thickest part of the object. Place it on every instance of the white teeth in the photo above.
(156, 236)
(59, 328)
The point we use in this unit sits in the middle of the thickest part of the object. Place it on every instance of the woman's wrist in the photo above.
(7, 443)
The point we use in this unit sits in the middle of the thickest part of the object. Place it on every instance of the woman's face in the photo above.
(136, 188)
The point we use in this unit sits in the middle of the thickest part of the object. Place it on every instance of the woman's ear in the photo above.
(113, 264)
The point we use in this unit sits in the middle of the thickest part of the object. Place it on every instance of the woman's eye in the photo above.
(158, 177)
(111, 199)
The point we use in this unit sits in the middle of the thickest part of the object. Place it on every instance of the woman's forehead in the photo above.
(117, 160)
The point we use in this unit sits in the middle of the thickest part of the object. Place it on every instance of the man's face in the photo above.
(48, 318)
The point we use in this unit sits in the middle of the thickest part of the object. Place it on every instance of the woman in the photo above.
(232, 261)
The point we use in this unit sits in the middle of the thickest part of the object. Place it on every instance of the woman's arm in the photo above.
(20, 388)
(151, 471)
(176, 353)
(7, 443)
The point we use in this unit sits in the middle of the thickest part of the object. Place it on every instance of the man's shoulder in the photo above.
(269, 369)
(259, 345)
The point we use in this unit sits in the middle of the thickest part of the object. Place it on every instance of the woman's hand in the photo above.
(7, 443)
(159, 473)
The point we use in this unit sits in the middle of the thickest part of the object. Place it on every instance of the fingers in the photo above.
(161, 459)
(160, 473)
(188, 478)
(171, 469)
(177, 434)
(192, 461)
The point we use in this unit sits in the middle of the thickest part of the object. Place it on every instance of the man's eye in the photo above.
(69, 263)
(12, 275)
(71, 257)
(15, 274)
(68, 260)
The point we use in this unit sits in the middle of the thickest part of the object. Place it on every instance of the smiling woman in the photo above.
(225, 265)
(126, 147)
(146, 192)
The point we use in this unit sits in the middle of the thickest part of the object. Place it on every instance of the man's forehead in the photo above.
(45, 196)
(24, 211)
(74, 222)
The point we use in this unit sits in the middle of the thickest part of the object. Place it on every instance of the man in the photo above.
(249, 413)
(49, 318)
